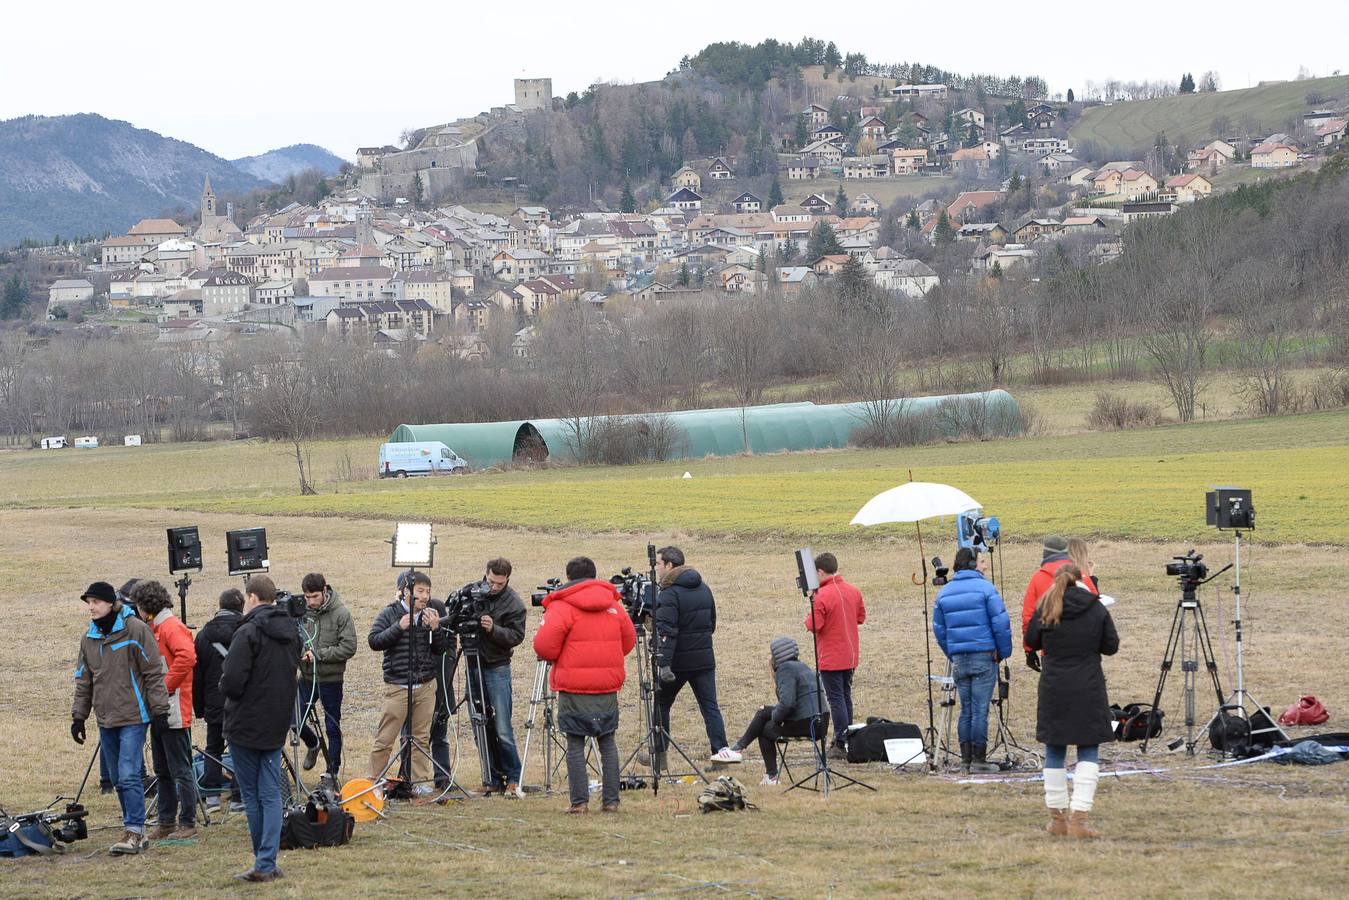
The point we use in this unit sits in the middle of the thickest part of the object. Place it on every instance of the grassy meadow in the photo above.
(67, 518)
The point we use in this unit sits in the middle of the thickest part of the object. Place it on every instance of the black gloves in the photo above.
(77, 730)
(665, 674)
(1033, 660)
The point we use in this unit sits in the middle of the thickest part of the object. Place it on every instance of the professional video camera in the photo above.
(64, 827)
(638, 593)
(939, 572)
(1188, 568)
(978, 531)
(291, 603)
(543, 590)
(465, 608)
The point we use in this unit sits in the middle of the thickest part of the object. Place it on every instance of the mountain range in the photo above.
(86, 174)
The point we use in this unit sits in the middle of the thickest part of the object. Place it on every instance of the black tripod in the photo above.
(1005, 740)
(819, 780)
(481, 715)
(1189, 635)
(307, 716)
(655, 735)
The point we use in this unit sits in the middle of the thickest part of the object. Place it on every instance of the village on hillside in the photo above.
(375, 259)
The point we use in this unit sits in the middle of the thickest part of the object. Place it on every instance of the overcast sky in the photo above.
(243, 77)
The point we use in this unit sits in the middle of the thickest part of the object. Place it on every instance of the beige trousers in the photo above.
(392, 715)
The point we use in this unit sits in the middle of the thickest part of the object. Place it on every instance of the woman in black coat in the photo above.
(1073, 630)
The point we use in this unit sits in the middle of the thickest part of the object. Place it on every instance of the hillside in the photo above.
(275, 166)
(1259, 110)
(85, 174)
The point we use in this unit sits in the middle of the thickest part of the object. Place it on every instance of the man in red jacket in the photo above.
(171, 747)
(586, 634)
(1053, 558)
(836, 611)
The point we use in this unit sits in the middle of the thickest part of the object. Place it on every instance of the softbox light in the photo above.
(414, 545)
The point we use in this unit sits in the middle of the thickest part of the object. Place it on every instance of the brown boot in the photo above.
(161, 832)
(609, 807)
(1058, 822)
(578, 809)
(1078, 827)
(184, 833)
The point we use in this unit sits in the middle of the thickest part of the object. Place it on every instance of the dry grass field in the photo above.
(1178, 831)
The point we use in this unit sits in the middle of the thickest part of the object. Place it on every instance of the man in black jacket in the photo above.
(258, 681)
(502, 628)
(686, 617)
(409, 635)
(213, 643)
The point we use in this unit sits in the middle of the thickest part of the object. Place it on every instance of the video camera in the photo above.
(939, 572)
(978, 531)
(637, 592)
(543, 590)
(291, 603)
(465, 608)
(72, 825)
(1189, 568)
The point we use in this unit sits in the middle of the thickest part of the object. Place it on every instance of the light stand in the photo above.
(543, 697)
(184, 556)
(809, 583)
(930, 736)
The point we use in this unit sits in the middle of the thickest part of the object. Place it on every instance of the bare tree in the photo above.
(869, 347)
(744, 358)
(285, 405)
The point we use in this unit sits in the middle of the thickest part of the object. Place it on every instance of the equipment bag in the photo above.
(22, 838)
(867, 744)
(1137, 721)
(725, 794)
(1307, 711)
(316, 825)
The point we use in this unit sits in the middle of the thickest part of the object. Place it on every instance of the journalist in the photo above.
(258, 681)
(171, 743)
(409, 634)
(794, 715)
(213, 644)
(971, 626)
(329, 641)
(120, 677)
(585, 634)
(503, 628)
(1053, 557)
(836, 612)
(686, 618)
(1073, 629)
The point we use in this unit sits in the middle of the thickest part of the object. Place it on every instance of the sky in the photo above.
(344, 74)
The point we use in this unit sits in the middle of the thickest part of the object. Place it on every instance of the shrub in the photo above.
(1329, 390)
(1112, 412)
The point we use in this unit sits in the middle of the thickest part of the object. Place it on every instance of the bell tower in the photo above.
(207, 201)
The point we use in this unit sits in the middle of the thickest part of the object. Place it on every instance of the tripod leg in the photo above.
(1167, 658)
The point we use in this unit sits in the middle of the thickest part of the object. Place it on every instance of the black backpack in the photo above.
(321, 822)
(1137, 721)
(867, 744)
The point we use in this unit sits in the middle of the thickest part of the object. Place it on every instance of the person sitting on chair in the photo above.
(795, 714)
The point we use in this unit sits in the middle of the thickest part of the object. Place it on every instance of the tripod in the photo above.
(1005, 739)
(482, 717)
(1189, 635)
(948, 715)
(655, 734)
(307, 716)
(543, 697)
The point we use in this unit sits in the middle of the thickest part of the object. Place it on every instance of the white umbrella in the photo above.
(915, 501)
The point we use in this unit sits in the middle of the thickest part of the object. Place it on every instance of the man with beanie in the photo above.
(836, 611)
(120, 677)
(794, 715)
(258, 681)
(971, 625)
(1053, 558)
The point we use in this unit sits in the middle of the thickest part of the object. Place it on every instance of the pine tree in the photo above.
(823, 242)
(15, 298)
(684, 274)
(1071, 98)
(840, 203)
(1014, 183)
(997, 270)
(943, 232)
(417, 190)
(802, 136)
(790, 249)
(627, 203)
(914, 223)
(762, 263)
(774, 194)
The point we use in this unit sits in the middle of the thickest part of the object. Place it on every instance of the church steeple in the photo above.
(207, 201)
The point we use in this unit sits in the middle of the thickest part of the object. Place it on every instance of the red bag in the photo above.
(1307, 711)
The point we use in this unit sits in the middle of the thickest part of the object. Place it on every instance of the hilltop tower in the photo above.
(207, 201)
(533, 93)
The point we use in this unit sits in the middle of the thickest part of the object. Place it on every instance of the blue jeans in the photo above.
(1056, 755)
(704, 686)
(258, 774)
(496, 682)
(838, 691)
(975, 675)
(330, 695)
(123, 749)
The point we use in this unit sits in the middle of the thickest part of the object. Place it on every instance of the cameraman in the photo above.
(971, 626)
(330, 640)
(503, 628)
(414, 618)
(686, 617)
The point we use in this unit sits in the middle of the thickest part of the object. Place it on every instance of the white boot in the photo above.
(1085, 776)
(1056, 798)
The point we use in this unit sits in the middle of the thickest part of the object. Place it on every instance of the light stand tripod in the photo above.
(947, 703)
(930, 737)
(655, 735)
(1005, 739)
(1189, 635)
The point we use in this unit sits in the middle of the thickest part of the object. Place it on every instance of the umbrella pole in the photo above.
(927, 645)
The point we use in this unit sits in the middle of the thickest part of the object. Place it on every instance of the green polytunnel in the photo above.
(703, 432)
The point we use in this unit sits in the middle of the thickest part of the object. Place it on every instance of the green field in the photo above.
(1131, 125)
(1150, 480)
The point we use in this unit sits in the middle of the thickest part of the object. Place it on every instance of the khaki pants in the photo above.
(392, 715)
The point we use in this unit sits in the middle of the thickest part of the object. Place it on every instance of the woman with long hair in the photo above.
(1073, 629)
(1077, 552)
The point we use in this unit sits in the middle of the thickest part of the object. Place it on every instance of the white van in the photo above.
(419, 458)
(88, 442)
(131, 440)
(54, 443)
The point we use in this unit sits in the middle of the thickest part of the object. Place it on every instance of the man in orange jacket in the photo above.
(171, 746)
(1053, 558)
(836, 611)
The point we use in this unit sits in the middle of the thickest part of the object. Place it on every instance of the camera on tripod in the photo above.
(465, 608)
(543, 590)
(65, 827)
(1189, 568)
(940, 573)
(637, 593)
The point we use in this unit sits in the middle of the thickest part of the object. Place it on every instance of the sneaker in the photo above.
(422, 793)
(513, 791)
(130, 844)
(727, 755)
(769, 781)
(311, 758)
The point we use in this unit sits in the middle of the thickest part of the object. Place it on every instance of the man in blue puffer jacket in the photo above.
(971, 625)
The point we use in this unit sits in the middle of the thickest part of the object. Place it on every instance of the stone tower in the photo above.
(534, 93)
(207, 201)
